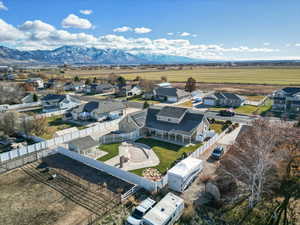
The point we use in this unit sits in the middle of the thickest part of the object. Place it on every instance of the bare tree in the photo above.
(11, 93)
(147, 85)
(253, 158)
(9, 122)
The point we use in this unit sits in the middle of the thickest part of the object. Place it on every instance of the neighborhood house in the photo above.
(170, 124)
(54, 102)
(129, 91)
(99, 89)
(287, 100)
(36, 82)
(170, 94)
(98, 111)
(223, 99)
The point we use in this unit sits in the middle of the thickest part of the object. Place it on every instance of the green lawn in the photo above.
(249, 109)
(254, 110)
(111, 149)
(217, 127)
(166, 152)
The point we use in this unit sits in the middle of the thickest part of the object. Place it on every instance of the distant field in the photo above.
(275, 76)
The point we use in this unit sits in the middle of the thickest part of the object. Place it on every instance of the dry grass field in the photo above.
(25, 201)
(246, 75)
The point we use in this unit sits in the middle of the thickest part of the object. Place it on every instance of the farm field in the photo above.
(275, 76)
(26, 201)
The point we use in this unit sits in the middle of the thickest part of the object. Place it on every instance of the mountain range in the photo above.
(84, 55)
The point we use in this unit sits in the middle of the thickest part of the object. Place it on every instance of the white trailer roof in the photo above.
(163, 209)
(185, 167)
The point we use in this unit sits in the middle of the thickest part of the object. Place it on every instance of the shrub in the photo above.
(188, 214)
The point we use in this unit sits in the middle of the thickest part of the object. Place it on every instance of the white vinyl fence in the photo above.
(100, 127)
(208, 144)
(119, 173)
(115, 138)
(256, 103)
(24, 105)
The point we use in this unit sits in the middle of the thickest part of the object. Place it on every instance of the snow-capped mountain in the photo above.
(83, 55)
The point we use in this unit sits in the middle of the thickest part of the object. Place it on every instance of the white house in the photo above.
(54, 102)
(98, 111)
(36, 82)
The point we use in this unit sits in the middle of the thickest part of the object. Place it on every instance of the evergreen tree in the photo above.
(190, 84)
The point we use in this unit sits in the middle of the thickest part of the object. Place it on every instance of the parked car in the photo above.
(137, 215)
(217, 153)
(226, 113)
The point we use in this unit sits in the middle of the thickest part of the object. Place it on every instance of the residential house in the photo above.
(53, 83)
(36, 82)
(129, 91)
(99, 89)
(170, 124)
(98, 111)
(54, 102)
(169, 94)
(287, 100)
(83, 145)
(74, 86)
(223, 99)
(164, 85)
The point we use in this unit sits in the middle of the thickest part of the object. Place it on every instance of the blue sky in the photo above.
(209, 29)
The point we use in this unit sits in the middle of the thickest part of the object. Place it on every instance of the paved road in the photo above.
(237, 118)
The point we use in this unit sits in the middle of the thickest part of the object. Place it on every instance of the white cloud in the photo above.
(184, 34)
(297, 44)
(2, 6)
(122, 29)
(32, 35)
(194, 35)
(142, 30)
(73, 21)
(266, 44)
(9, 32)
(86, 11)
(170, 33)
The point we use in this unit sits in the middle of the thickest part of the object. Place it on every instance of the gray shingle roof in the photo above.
(53, 97)
(173, 112)
(84, 142)
(291, 90)
(187, 125)
(100, 107)
(171, 92)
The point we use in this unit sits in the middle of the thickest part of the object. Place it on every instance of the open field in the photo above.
(249, 75)
(26, 201)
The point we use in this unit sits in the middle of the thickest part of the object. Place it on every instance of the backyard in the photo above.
(249, 109)
(111, 149)
(166, 152)
(56, 123)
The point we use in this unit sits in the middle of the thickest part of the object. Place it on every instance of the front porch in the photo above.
(172, 137)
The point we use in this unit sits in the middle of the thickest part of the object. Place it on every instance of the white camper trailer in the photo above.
(183, 173)
(165, 212)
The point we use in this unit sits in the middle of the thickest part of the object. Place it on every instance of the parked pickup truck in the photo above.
(137, 215)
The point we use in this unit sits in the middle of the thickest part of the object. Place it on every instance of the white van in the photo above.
(136, 217)
(183, 174)
(165, 212)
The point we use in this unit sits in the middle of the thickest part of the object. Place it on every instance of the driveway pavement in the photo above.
(210, 166)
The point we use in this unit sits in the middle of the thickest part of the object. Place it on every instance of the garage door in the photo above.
(209, 102)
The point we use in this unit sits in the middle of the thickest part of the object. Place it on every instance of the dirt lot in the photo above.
(25, 201)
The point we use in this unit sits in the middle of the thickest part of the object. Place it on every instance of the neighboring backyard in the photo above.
(166, 152)
(250, 109)
(56, 123)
